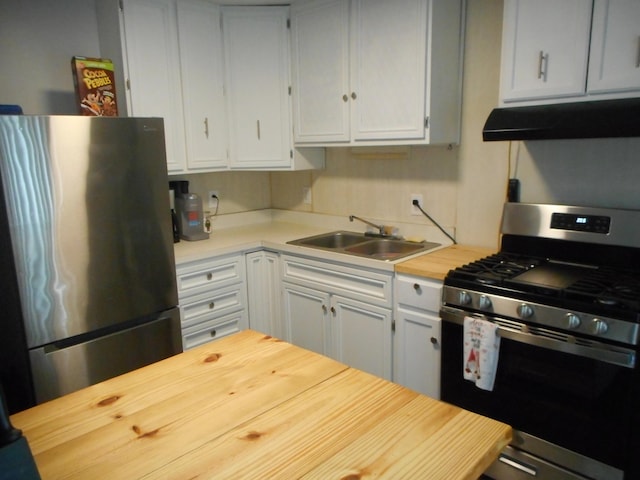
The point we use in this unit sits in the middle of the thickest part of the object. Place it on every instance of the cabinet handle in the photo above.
(206, 127)
(434, 341)
(258, 128)
(213, 333)
(209, 276)
(543, 60)
(416, 287)
(345, 98)
(324, 308)
(333, 310)
(211, 305)
(638, 57)
(353, 95)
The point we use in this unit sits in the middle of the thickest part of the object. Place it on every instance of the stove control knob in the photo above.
(572, 321)
(525, 311)
(464, 298)
(598, 327)
(484, 302)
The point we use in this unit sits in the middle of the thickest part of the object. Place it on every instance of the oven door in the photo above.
(575, 396)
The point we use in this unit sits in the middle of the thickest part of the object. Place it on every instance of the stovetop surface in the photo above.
(595, 289)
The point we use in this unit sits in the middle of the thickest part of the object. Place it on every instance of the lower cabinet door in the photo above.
(306, 313)
(362, 336)
(417, 351)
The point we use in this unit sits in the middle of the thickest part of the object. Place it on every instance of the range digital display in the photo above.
(581, 223)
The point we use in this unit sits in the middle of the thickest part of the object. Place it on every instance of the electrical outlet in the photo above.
(306, 195)
(214, 198)
(415, 210)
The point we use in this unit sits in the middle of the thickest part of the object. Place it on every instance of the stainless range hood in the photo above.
(599, 119)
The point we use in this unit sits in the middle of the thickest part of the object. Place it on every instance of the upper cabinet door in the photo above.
(615, 46)
(154, 70)
(256, 50)
(201, 59)
(545, 48)
(388, 45)
(320, 56)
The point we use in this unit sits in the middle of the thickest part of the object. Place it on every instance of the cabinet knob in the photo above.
(434, 341)
(324, 308)
(416, 287)
(353, 95)
(345, 98)
(333, 310)
(212, 333)
(209, 276)
(211, 305)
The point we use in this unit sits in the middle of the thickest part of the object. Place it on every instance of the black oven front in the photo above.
(573, 406)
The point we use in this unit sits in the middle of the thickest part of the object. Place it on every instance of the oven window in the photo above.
(575, 402)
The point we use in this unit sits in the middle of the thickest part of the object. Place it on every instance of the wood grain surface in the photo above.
(252, 406)
(437, 264)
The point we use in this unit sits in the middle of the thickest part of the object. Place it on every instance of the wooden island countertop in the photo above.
(251, 406)
(437, 264)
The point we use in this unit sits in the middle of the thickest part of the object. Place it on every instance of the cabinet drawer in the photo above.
(212, 305)
(418, 292)
(203, 275)
(359, 284)
(210, 330)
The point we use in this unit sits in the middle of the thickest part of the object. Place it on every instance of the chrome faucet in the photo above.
(379, 227)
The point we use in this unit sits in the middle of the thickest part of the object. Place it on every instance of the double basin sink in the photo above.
(363, 245)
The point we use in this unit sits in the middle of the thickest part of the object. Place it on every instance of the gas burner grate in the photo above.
(496, 268)
(609, 288)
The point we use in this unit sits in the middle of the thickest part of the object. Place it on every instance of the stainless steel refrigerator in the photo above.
(87, 285)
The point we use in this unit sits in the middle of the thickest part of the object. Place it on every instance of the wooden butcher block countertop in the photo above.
(437, 264)
(251, 406)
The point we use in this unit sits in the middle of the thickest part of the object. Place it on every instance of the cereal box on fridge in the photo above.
(95, 86)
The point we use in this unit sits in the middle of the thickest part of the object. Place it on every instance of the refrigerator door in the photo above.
(59, 369)
(89, 220)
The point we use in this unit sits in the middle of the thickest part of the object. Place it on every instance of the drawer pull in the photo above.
(211, 305)
(209, 276)
(213, 333)
(416, 287)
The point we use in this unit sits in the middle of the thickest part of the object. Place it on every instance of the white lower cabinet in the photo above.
(263, 289)
(212, 295)
(306, 317)
(339, 311)
(417, 334)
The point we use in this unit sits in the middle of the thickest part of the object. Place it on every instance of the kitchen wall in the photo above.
(463, 187)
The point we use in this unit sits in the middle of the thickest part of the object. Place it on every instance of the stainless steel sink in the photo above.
(359, 244)
(333, 240)
(387, 249)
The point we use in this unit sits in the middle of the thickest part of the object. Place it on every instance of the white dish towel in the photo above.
(481, 349)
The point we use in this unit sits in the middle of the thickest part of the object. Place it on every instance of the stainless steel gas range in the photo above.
(564, 290)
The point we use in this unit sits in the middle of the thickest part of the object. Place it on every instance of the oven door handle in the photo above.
(561, 343)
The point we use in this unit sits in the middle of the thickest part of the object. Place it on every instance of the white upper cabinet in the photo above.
(257, 62)
(320, 51)
(153, 65)
(388, 43)
(201, 61)
(569, 50)
(374, 72)
(219, 76)
(615, 47)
